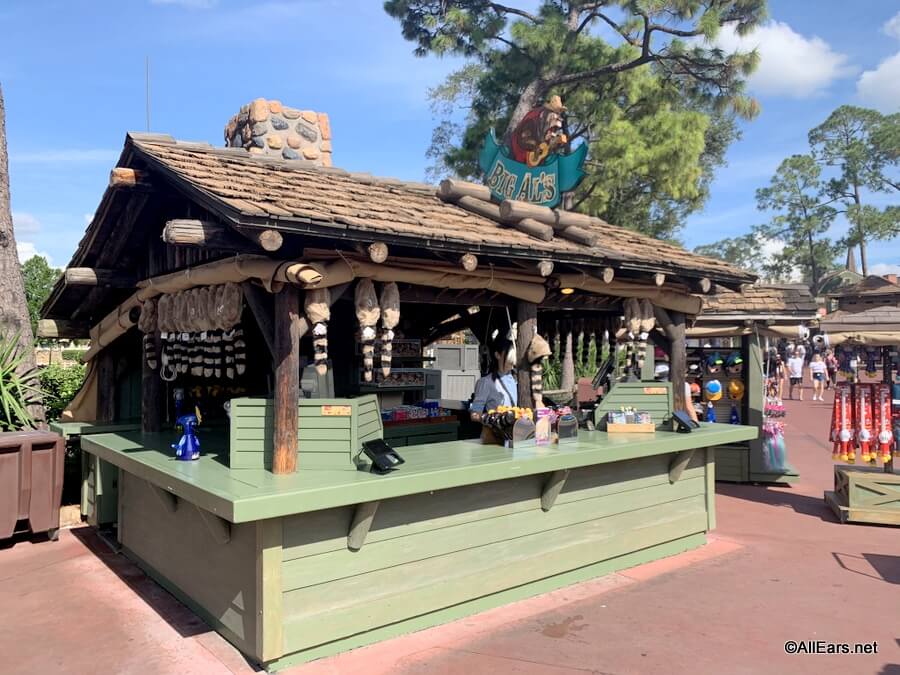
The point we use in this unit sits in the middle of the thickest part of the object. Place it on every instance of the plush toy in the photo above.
(147, 324)
(632, 312)
(317, 305)
(538, 350)
(367, 313)
(232, 304)
(390, 317)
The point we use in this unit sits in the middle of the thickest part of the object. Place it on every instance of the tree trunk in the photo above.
(860, 231)
(13, 310)
(526, 317)
(812, 260)
(531, 97)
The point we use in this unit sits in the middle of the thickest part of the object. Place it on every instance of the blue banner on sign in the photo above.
(542, 184)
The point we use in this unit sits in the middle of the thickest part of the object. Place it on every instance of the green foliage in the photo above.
(18, 389)
(657, 114)
(72, 355)
(862, 147)
(38, 278)
(743, 251)
(553, 366)
(803, 214)
(60, 384)
(586, 363)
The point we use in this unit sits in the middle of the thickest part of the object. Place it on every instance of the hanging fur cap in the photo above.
(164, 311)
(538, 350)
(390, 317)
(647, 321)
(316, 304)
(368, 312)
(147, 324)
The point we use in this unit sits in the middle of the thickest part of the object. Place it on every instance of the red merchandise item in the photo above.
(884, 436)
(865, 425)
(842, 423)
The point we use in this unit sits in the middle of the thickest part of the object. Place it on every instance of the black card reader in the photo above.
(383, 457)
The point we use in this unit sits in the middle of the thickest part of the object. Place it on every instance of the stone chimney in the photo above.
(269, 128)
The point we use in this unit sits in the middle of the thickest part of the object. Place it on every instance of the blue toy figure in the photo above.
(710, 412)
(735, 417)
(188, 446)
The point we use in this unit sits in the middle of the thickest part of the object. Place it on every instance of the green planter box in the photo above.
(331, 432)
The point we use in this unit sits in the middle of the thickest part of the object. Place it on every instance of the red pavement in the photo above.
(779, 567)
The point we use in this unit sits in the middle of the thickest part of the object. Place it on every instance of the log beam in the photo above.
(450, 190)
(287, 379)
(533, 228)
(607, 275)
(659, 278)
(89, 276)
(267, 240)
(123, 177)
(469, 262)
(378, 252)
(703, 285)
(545, 268)
(203, 233)
(63, 329)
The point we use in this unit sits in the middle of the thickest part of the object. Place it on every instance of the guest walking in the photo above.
(795, 366)
(819, 374)
(831, 366)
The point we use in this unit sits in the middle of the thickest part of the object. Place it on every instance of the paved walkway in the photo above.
(778, 568)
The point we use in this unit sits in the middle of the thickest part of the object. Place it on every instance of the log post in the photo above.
(526, 317)
(267, 240)
(287, 379)
(702, 285)
(152, 403)
(678, 359)
(567, 379)
(545, 268)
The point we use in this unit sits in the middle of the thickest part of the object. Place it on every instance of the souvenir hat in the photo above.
(734, 359)
(735, 390)
(695, 389)
(713, 389)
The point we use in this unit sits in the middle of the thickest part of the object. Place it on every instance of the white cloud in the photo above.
(188, 4)
(25, 223)
(881, 87)
(892, 26)
(27, 249)
(63, 155)
(791, 64)
(884, 268)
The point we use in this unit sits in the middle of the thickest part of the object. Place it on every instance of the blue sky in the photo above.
(73, 79)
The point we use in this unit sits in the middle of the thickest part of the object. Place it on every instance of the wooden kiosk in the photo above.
(868, 494)
(278, 535)
(752, 320)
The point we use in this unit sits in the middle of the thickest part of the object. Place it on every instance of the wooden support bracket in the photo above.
(679, 464)
(166, 498)
(218, 527)
(362, 523)
(552, 488)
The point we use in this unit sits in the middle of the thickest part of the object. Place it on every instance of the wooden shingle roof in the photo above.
(761, 300)
(293, 196)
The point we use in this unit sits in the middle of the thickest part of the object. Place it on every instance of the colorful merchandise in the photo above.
(188, 446)
(714, 363)
(774, 449)
(863, 421)
(711, 411)
(734, 364)
(842, 423)
(884, 436)
(713, 389)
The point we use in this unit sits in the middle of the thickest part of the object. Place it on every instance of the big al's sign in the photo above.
(531, 168)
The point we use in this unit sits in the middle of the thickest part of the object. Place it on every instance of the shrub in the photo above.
(60, 384)
(18, 390)
(72, 355)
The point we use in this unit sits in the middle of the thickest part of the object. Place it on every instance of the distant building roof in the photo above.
(760, 301)
(870, 285)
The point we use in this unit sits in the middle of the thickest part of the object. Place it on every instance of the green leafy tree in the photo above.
(38, 278)
(802, 215)
(59, 384)
(656, 103)
(744, 251)
(863, 147)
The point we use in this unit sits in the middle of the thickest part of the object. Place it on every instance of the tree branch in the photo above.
(503, 9)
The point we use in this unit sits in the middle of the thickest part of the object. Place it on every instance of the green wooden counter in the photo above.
(293, 568)
(99, 480)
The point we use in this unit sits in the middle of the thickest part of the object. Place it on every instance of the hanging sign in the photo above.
(531, 168)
